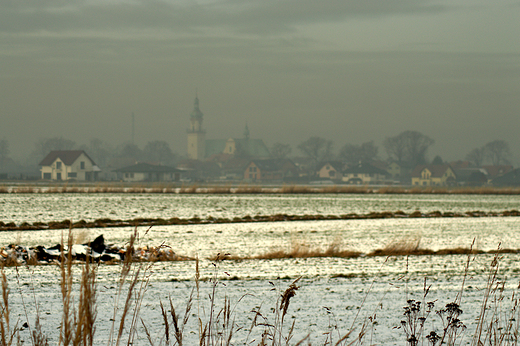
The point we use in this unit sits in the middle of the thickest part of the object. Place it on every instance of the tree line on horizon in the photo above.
(409, 148)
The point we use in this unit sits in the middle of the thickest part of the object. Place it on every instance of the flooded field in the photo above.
(334, 292)
(69, 206)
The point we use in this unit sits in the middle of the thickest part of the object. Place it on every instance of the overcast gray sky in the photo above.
(349, 71)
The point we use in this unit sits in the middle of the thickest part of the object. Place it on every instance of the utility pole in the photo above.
(133, 128)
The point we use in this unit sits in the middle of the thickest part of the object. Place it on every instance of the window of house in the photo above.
(82, 165)
(72, 174)
(58, 165)
(46, 176)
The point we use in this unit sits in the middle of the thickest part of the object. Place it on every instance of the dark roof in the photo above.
(436, 170)
(271, 165)
(511, 178)
(472, 175)
(337, 165)
(146, 168)
(364, 168)
(67, 156)
(245, 146)
(494, 171)
(456, 165)
(235, 163)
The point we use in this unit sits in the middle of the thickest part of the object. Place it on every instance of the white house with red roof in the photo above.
(62, 165)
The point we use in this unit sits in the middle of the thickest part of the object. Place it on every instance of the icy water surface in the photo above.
(334, 291)
(89, 207)
(363, 291)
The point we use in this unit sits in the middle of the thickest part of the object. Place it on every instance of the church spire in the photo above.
(196, 135)
(246, 132)
(196, 114)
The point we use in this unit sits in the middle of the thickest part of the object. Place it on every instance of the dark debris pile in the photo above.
(96, 250)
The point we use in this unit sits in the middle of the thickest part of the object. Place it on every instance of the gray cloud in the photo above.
(350, 71)
(238, 16)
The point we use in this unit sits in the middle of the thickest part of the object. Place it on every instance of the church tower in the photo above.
(196, 135)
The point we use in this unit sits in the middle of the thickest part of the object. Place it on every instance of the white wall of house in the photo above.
(81, 166)
(132, 177)
(78, 170)
(135, 177)
(329, 172)
(366, 178)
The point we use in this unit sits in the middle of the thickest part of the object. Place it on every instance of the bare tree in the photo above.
(498, 152)
(317, 149)
(395, 148)
(131, 151)
(100, 151)
(477, 156)
(408, 146)
(354, 154)
(46, 145)
(418, 145)
(158, 151)
(4, 150)
(437, 160)
(280, 151)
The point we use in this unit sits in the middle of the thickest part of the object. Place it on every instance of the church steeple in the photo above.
(196, 113)
(196, 135)
(246, 132)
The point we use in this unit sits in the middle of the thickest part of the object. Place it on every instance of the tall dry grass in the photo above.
(300, 249)
(245, 188)
(497, 322)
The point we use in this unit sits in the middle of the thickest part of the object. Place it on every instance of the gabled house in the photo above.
(364, 173)
(455, 165)
(270, 170)
(471, 176)
(494, 172)
(233, 169)
(196, 170)
(433, 175)
(330, 170)
(511, 178)
(62, 165)
(148, 172)
(239, 147)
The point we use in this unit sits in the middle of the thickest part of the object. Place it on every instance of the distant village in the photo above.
(250, 160)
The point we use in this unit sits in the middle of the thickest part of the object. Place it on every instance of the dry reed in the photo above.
(244, 188)
(494, 328)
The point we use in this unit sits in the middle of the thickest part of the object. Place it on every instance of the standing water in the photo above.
(335, 294)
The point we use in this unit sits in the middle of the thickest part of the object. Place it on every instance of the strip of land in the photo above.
(223, 188)
(110, 223)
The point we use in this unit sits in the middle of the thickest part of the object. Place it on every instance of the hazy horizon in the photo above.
(350, 71)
